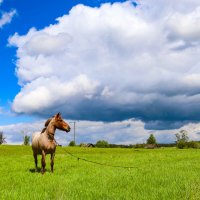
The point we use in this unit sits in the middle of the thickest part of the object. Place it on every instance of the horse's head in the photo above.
(59, 123)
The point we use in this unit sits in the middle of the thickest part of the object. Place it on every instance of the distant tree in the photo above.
(193, 144)
(2, 138)
(182, 139)
(151, 139)
(102, 144)
(72, 143)
(182, 136)
(26, 140)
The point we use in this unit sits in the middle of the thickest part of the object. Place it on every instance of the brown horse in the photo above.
(44, 143)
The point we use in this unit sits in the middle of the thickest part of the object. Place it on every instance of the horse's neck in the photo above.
(50, 130)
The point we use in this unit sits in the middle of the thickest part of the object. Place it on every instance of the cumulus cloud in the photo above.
(52, 92)
(185, 27)
(114, 62)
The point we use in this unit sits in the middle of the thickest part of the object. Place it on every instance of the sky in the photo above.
(121, 69)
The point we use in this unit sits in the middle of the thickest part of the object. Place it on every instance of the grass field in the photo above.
(158, 174)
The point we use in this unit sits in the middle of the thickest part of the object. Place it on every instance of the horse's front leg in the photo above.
(43, 162)
(52, 161)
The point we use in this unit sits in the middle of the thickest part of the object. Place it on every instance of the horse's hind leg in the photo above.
(52, 161)
(36, 161)
(43, 162)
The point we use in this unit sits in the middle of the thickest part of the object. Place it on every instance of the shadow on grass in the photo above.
(35, 171)
(38, 170)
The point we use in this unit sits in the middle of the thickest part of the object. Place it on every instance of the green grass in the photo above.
(158, 174)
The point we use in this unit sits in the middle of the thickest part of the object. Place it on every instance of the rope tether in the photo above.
(97, 163)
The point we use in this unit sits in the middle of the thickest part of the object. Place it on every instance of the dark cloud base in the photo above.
(155, 116)
(165, 125)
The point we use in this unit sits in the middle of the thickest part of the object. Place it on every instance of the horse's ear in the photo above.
(58, 115)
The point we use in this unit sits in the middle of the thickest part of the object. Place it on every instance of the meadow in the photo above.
(166, 173)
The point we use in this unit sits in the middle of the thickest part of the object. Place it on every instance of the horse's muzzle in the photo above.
(68, 130)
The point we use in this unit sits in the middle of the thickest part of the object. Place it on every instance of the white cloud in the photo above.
(14, 133)
(186, 27)
(7, 17)
(124, 132)
(114, 62)
(51, 91)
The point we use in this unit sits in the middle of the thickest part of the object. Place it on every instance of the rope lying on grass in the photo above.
(98, 163)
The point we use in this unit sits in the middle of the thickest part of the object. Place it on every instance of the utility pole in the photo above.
(23, 133)
(74, 132)
(74, 126)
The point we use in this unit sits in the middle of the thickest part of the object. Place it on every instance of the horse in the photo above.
(44, 143)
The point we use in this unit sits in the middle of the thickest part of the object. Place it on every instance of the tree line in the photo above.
(182, 141)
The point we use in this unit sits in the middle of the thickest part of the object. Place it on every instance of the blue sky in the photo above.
(110, 62)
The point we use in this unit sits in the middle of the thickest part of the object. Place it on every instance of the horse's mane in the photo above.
(43, 130)
(46, 124)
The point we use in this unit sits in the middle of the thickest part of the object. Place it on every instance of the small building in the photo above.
(90, 145)
(87, 145)
(150, 146)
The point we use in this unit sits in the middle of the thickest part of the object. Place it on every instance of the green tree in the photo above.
(2, 138)
(151, 139)
(102, 144)
(26, 140)
(182, 136)
(182, 139)
(72, 143)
